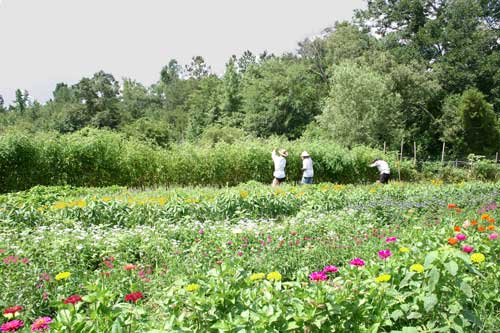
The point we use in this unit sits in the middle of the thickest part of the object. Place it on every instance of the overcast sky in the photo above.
(43, 42)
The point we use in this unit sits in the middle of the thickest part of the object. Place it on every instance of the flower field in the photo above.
(324, 258)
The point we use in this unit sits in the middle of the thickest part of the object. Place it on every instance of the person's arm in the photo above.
(304, 165)
(373, 165)
(273, 154)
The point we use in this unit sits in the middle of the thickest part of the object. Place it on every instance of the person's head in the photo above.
(304, 155)
(283, 152)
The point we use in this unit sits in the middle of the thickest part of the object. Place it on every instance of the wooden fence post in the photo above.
(400, 160)
(384, 147)
(414, 153)
(496, 159)
(442, 153)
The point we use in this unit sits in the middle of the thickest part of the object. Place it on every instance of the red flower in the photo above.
(456, 228)
(452, 241)
(458, 210)
(451, 206)
(134, 297)
(13, 310)
(73, 299)
(129, 267)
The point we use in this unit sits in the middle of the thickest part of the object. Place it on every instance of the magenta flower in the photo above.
(330, 269)
(201, 231)
(12, 326)
(318, 276)
(357, 262)
(240, 253)
(493, 236)
(384, 254)
(461, 237)
(41, 324)
(391, 239)
(468, 249)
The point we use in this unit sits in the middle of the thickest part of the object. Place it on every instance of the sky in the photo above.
(43, 42)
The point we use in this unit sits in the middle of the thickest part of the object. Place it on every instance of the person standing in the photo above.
(307, 168)
(279, 160)
(383, 168)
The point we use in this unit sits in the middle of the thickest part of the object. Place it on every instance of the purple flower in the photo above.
(330, 269)
(384, 254)
(318, 276)
(391, 239)
(357, 262)
(461, 237)
(493, 236)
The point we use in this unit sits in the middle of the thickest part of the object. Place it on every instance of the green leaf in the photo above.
(409, 330)
(451, 267)
(433, 279)
(429, 302)
(292, 325)
(414, 315)
(397, 314)
(429, 259)
(464, 286)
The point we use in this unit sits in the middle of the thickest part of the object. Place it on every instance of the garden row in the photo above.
(102, 158)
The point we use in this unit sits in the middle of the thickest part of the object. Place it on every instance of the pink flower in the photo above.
(73, 299)
(493, 236)
(41, 324)
(468, 249)
(391, 239)
(240, 253)
(201, 231)
(461, 237)
(384, 254)
(330, 269)
(318, 276)
(129, 267)
(357, 262)
(12, 326)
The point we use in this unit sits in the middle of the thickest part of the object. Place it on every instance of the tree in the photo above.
(63, 94)
(171, 72)
(197, 69)
(278, 98)
(481, 128)
(231, 95)
(361, 108)
(2, 108)
(21, 101)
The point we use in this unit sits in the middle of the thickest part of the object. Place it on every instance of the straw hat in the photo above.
(304, 154)
(283, 152)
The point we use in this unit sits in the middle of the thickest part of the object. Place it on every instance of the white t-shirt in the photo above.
(279, 165)
(307, 165)
(382, 167)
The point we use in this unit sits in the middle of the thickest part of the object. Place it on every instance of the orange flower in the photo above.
(456, 228)
(481, 228)
(490, 227)
(473, 222)
(452, 206)
(129, 267)
(452, 241)
(485, 216)
(458, 210)
(491, 220)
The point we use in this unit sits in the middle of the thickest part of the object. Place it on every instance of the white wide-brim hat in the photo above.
(304, 154)
(283, 152)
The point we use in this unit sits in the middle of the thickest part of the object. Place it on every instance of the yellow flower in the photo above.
(59, 205)
(274, 276)
(416, 268)
(192, 287)
(404, 250)
(243, 194)
(383, 278)
(257, 276)
(63, 276)
(477, 257)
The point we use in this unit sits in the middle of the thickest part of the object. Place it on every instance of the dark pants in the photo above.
(307, 180)
(384, 178)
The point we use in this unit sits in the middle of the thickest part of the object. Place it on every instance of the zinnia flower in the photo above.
(12, 326)
(384, 254)
(468, 249)
(129, 267)
(473, 222)
(257, 276)
(452, 241)
(417, 268)
(134, 297)
(318, 276)
(357, 262)
(456, 228)
(481, 228)
(192, 287)
(491, 220)
(485, 216)
(41, 324)
(461, 237)
(477, 257)
(493, 236)
(73, 299)
(63, 276)
(490, 227)
(274, 276)
(391, 239)
(330, 269)
(452, 205)
(404, 250)
(383, 278)
(11, 312)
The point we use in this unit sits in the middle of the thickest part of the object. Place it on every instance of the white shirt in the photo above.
(307, 165)
(382, 167)
(279, 165)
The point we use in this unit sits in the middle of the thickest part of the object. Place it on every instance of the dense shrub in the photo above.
(102, 158)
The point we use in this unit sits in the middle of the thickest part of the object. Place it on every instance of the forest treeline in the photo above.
(415, 70)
